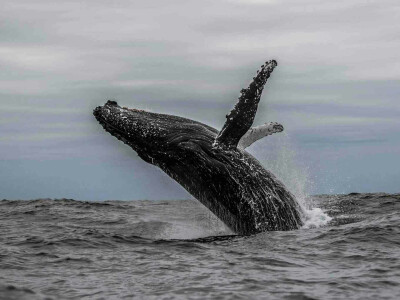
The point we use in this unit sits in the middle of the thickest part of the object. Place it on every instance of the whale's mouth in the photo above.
(151, 133)
(98, 112)
(108, 119)
(136, 128)
(109, 127)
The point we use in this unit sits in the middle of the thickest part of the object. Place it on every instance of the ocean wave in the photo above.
(348, 248)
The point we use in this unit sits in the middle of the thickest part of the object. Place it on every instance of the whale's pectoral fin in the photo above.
(241, 117)
(256, 133)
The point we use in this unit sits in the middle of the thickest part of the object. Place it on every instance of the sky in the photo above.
(336, 90)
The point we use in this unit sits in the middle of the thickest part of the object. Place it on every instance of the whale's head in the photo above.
(155, 137)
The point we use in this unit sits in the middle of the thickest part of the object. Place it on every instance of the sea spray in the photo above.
(279, 157)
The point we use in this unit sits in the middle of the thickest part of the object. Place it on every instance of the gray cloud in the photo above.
(337, 83)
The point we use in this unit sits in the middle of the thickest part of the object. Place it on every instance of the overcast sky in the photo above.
(336, 89)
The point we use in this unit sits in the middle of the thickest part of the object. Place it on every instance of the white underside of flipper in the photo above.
(256, 133)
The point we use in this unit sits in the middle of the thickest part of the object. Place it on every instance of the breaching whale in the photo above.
(213, 166)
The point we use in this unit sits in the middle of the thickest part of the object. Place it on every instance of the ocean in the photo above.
(69, 249)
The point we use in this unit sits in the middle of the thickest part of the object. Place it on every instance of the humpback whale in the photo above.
(213, 165)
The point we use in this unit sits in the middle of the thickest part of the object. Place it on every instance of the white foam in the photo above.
(315, 218)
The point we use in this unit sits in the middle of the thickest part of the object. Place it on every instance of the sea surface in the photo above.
(68, 249)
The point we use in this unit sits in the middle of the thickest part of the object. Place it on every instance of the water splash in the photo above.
(279, 157)
(315, 217)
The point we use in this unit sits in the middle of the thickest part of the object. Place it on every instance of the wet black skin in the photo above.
(228, 181)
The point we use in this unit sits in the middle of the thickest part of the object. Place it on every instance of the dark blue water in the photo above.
(66, 249)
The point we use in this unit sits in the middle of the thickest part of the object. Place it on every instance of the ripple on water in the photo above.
(348, 248)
